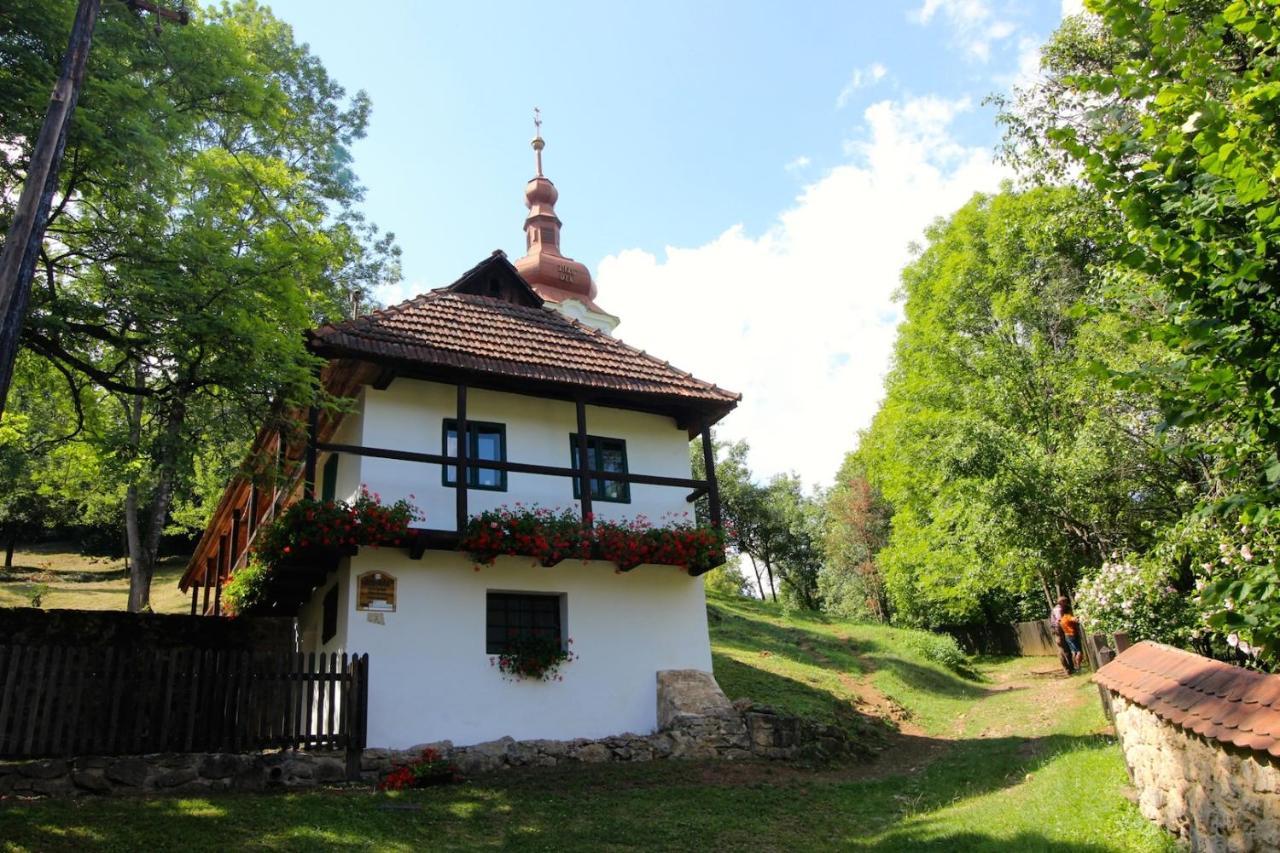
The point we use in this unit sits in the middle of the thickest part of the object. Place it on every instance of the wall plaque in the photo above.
(376, 591)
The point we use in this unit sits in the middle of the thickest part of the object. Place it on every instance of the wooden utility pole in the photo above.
(26, 231)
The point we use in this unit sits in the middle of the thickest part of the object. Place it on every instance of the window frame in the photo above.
(560, 611)
(329, 478)
(451, 424)
(593, 450)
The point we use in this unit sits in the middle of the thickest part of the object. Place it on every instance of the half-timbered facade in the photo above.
(504, 388)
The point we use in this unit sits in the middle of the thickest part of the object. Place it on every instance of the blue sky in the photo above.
(742, 178)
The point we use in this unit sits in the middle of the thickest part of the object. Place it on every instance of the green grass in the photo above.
(1008, 760)
(67, 579)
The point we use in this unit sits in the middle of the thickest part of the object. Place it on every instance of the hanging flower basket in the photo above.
(533, 658)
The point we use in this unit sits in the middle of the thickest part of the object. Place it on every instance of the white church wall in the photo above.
(409, 415)
(431, 678)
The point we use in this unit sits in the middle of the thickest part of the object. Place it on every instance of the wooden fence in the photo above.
(84, 700)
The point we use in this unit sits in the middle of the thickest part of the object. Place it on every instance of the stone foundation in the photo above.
(1218, 797)
(177, 773)
(695, 721)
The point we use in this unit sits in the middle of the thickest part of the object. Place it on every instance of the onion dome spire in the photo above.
(556, 278)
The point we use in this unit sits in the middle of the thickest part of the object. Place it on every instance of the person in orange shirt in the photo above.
(1071, 634)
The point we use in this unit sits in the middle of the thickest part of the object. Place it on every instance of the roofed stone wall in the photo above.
(1215, 795)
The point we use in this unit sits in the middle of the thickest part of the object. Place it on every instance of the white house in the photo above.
(521, 360)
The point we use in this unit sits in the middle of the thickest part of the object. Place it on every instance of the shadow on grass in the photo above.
(674, 805)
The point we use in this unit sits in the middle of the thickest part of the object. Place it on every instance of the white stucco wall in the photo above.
(431, 679)
(409, 415)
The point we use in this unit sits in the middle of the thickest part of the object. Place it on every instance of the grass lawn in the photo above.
(1009, 759)
(66, 579)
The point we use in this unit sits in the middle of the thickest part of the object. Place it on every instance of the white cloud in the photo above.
(860, 79)
(400, 291)
(798, 163)
(801, 318)
(975, 25)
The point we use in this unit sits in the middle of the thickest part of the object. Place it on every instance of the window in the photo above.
(603, 454)
(329, 478)
(329, 622)
(487, 441)
(520, 614)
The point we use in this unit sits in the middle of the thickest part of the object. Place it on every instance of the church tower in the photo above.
(563, 282)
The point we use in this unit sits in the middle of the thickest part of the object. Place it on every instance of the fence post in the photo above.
(1122, 641)
(357, 718)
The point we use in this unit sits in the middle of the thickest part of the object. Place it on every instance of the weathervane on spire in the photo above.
(538, 144)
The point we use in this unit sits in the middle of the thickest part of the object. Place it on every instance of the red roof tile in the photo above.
(1211, 698)
(512, 338)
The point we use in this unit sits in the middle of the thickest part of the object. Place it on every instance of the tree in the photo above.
(857, 527)
(206, 218)
(776, 525)
(1171, 113)
(1009, 466)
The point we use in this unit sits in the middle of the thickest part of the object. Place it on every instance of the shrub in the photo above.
(1136, 597)
(941, 649)
(729, 580)
(422, 772)
(247, 588)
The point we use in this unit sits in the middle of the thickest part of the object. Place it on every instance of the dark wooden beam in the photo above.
(695, 494)
(253, 507)
(313, 423)
(513, 467)
(210, 566)
(236, 524)
(195, 599)
(463, 442)
(709, 463)
(584, 463)
(384, 378)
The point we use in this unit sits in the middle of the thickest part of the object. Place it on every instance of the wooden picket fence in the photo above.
(83, 700)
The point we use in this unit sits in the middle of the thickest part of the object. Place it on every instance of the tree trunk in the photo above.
(759, 580)
(145, 526)
(8, 552)
(773, 589)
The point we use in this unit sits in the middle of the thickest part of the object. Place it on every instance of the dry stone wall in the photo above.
(1216, 796)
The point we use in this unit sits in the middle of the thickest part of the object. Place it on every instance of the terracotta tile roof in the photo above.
(449, 328)
(1211, 698)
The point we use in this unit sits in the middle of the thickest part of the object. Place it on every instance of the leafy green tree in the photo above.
(776, 525)
(1171, 112)
(1009, 465)
(857, 527)
(206, 218)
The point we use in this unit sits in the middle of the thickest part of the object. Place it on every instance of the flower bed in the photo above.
(428, 770)
(550, 536)
(310, 527)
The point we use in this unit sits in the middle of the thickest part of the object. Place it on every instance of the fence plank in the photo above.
(33, 707)
(9, 663)
(308, 699)
(83, 700)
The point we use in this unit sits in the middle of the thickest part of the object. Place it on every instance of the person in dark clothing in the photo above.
(1065, 657)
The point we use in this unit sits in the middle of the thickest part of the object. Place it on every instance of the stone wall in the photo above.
(1216, 796)
(696, 722)
(176, 773)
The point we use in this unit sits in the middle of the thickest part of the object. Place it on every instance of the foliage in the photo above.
(775, 525)
(1008, 465)
(850, 583)
(248, 588)
(1136, 596)
(206, 216)
(1171, 112)
(550, 536)
(941, 649)
(310, 525)
(423, 772)
(1240, 590)
(728, 579)
(534, 657)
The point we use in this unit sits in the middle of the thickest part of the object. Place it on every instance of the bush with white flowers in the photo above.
(1138, 598)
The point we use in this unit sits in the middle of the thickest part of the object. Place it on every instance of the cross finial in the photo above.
(537, 139)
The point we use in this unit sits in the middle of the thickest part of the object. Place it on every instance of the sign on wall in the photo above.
(376, 591)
